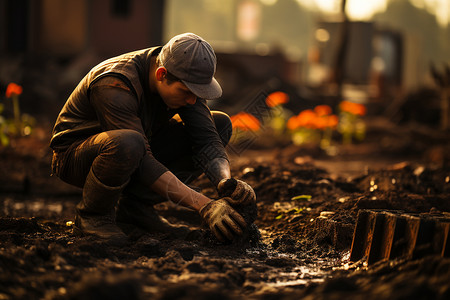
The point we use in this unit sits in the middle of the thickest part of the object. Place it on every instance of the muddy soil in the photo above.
(299, 246)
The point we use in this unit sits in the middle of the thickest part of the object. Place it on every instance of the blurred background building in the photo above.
(377, 52)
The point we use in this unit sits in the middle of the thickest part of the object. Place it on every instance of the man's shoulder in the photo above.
(112, 82)
(144, 53)
(129, 67)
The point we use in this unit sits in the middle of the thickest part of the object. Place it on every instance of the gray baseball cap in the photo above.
(192, 59)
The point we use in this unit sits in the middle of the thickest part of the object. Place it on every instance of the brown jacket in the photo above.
(136, 108)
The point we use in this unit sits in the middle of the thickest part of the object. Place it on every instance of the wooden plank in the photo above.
(360, 235)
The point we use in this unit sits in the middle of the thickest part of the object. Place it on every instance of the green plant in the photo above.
(21, 124)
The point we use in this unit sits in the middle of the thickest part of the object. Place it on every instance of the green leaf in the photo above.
(279, 217)
(298, 210)
(4, 140)
(302, 197)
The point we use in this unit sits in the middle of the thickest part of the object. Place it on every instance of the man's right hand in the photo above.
(222, 219)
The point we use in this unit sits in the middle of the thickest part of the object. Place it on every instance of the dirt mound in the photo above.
(297, 247)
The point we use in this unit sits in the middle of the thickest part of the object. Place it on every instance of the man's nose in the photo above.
(191, 100)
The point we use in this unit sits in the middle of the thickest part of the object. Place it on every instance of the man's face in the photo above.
(176, 94)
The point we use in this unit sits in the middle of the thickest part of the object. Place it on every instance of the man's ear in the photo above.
(160, 73)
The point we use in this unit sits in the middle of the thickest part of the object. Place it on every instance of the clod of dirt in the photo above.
(248, 212)
(340, 284)
(406, 178)
(251, 238)
(187, 252)
(285, 243)
(187, 291)
(148, 246)
(98, 286)
(280, 262)
(22, 225)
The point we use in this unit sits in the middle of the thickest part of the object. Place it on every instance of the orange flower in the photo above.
(277, 98)
(13, 89)
(310, 119)
(306, 118)
(293, 123)
(324, 122)
(332, 121)
(320, 123)
(323, 110)
(245, 121)
(353, 108)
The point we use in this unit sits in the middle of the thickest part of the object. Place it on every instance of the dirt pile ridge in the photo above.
(298, 247)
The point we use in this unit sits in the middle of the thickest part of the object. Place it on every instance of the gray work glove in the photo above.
(239, 192)
(224, 222)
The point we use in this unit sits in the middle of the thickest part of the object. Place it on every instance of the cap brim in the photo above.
(206, 91)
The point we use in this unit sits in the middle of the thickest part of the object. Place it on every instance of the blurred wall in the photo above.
(67, 28)
(63, 26)
(119, 26)
(15, 17)
(47, 46)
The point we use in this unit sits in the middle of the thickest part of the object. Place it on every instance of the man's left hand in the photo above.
(238, 191)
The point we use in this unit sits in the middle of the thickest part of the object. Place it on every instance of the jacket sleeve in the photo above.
(202, 131)
(116, 107)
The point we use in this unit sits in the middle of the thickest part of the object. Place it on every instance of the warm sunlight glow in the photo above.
(356, 9)
(269, 2)
(326, 5)
(365, 9)
(322, 35)
(441, 8)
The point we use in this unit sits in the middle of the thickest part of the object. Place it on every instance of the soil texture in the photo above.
(298, 246)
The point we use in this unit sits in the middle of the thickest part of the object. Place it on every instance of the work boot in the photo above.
(95, 213)
(141, 213)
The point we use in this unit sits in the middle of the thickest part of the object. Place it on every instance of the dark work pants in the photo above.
(115, 156)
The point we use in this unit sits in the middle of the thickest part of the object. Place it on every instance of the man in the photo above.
(138, 126)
